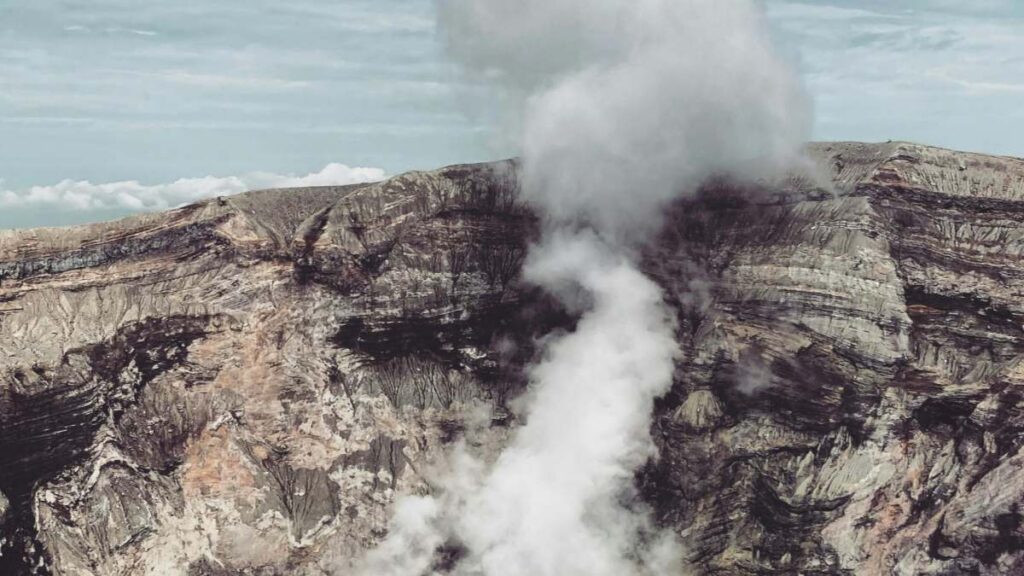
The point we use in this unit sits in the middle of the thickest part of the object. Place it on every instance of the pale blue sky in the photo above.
(159, 90)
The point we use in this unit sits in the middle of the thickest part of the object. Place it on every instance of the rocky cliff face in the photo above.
(243, 385)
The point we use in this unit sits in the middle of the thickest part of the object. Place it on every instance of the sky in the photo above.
(109, 107)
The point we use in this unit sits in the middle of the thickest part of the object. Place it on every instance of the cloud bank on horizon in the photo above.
(77, 199)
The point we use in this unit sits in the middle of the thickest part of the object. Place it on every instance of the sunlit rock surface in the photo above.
(242, 386)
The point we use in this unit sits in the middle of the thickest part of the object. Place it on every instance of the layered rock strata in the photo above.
(242, 386)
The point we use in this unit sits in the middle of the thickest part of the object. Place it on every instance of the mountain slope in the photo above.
(241, 386)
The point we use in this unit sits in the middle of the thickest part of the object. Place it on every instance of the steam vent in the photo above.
(243, 386)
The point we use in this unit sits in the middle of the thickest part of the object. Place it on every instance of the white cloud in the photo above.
(111, 30)
(84, 196)
(219, 81)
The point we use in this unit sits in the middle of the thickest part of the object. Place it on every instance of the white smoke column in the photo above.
(625, 105)
(556, 500)
(560, 500)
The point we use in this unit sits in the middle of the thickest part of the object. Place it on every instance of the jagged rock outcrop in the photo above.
(243, 385)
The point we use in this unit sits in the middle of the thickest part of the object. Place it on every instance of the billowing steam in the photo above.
(623, 106)
(630, 103)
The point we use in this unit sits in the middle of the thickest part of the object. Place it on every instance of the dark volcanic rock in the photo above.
(243, 385)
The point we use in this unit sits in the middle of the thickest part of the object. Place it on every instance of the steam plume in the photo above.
(624, 105)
